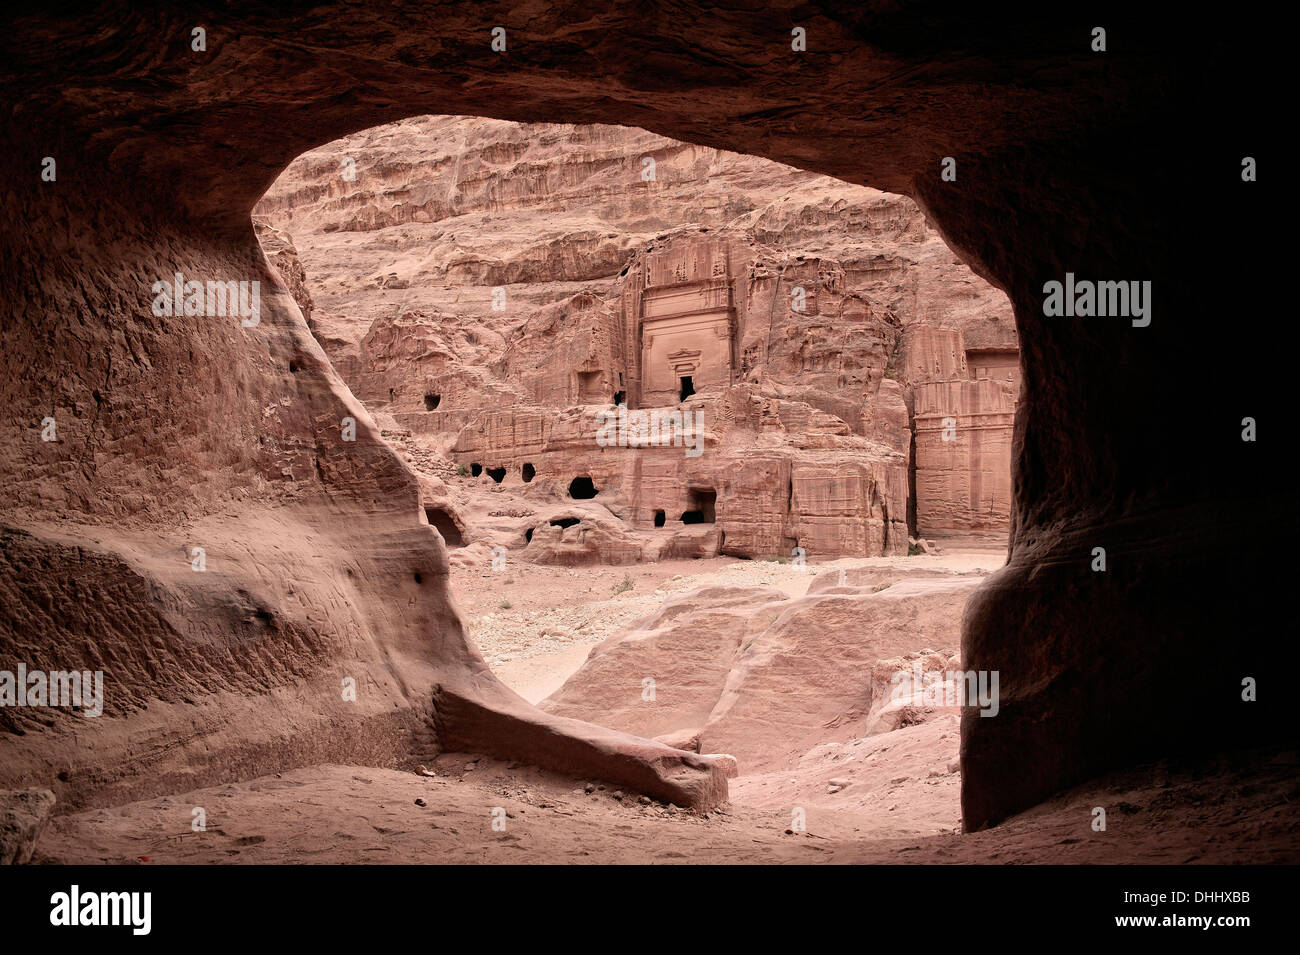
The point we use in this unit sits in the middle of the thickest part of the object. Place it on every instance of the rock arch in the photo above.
(1066, 161)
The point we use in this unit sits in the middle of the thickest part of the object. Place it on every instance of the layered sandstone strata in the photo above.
(501, 288)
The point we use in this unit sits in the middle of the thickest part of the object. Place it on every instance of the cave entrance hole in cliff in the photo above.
(582, 489)
(442, 522)
(703, 506)
(692, 308)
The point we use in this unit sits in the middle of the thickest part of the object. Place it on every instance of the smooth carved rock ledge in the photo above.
(493, 723)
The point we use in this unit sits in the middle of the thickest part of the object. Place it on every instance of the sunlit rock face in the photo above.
(962, 402)
(178, 431)
(485, 279)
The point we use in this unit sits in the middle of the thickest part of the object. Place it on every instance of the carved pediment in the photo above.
(685, 361)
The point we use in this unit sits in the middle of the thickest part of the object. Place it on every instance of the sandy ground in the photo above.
(1217, 811)
(535, 624)
(897, 797)
(900, 784)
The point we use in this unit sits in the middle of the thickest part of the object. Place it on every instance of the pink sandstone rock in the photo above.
(750, 672)
(783, 323)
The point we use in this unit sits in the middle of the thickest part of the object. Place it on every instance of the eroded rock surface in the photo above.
(24, 814)
(750, 672)
(498, 288)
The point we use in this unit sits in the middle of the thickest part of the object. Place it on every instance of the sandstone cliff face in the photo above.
(496, 287)
(962, 403)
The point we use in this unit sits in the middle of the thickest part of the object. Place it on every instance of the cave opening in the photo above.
(683, 329)
(694, 331)
(687, 337)
(442, 522)
(582, 488)
(976, 98)
(701, 506)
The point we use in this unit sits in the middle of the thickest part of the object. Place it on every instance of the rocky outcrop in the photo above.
(281, 253)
